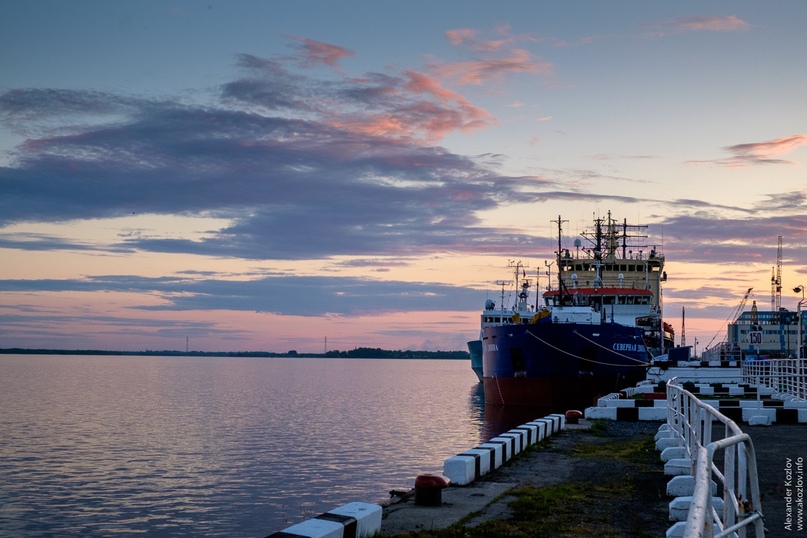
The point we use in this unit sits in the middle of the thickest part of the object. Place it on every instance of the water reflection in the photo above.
(218, 447)
(497, 419)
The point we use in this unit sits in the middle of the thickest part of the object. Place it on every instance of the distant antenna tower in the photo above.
(683, 326)
(776, 285)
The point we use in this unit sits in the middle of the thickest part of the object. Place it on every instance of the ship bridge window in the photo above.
(608, 299)
(622, 299)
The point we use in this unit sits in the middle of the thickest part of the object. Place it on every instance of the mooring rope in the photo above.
(642, 365)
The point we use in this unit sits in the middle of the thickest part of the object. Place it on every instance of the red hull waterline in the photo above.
(556, 395)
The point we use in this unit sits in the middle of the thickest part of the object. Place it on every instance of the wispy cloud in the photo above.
(337, 295)
(277, 150)
(319, 53)
(297, 167)
(485, 69)
(469, 37)
(495, 58)
(728, 23)
(759, 153)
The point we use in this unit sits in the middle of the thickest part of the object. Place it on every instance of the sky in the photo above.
(311, 175)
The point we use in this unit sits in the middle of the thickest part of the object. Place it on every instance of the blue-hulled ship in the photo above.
(503, 316)
(594, 333)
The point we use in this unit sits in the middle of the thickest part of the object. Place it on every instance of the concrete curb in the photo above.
(465, 468)
(762, 405)
(353, 520)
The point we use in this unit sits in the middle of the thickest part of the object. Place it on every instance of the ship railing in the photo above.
(695, 424)
(784, 376)
(586, 280)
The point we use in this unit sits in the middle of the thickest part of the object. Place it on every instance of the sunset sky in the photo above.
(263, 175)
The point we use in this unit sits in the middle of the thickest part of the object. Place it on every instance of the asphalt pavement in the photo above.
(781, 451)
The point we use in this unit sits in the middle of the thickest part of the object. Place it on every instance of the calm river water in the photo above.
(170, 446)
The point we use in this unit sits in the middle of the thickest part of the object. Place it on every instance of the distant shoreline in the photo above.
(358, 353)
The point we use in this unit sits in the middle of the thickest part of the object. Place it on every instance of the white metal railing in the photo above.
(693, 421)
(785, 376)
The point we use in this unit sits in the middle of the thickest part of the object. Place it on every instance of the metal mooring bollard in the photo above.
(429, 489)
(573, 416)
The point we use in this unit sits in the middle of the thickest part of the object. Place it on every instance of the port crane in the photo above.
(776, 286)
(733, 317)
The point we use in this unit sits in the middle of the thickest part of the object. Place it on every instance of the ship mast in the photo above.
(561, 286)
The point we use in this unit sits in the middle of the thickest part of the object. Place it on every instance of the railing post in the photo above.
(739, 479)
(730, 501)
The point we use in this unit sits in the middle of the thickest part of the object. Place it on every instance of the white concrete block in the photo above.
(549, 426)
(561, 420)
(677, 467)
(516, 437)
(679, 507)
(769, 412)
(507, 442)
(555, 422)
(684, 485)
(759, 420)
(664, 434)
(656, 412)
(316, 528)
(484, 459)
(497, 450)
(677, 530)
(368, 517)
(663, 444)
(603, 402)
(523, 437)
(673, 452)
(461, 470)
(541, 429)
(607, 413)
(622, 403)
(531, 431)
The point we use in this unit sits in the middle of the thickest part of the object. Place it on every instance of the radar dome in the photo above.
(577, 242)
(489, 304)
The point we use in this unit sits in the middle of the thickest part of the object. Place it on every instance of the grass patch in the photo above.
(617, 493)
(599, 427)
(634, 450)
(560, 510)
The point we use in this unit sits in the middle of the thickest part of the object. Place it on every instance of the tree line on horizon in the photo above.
(356, 353)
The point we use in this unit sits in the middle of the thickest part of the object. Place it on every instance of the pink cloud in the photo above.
(756, 153)
(710, 24)
(478, 71)
(460, 35)
(468, 36)
(425, 110)
(452, 111)
(319, 53)
(780, 146)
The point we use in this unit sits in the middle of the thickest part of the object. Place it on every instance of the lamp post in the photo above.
(798, 289)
